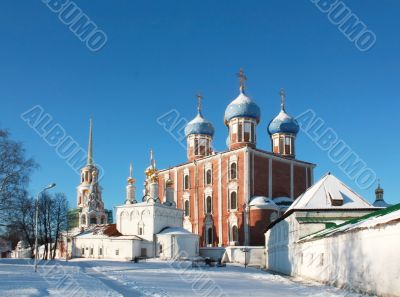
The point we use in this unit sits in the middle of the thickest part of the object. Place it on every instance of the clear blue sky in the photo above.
(160, 53)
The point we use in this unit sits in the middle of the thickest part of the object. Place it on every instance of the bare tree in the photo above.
(60, 213)
(14, 175)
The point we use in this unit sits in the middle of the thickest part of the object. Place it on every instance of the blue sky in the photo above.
(159, 54)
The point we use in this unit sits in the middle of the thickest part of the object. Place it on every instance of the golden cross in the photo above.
(242, 78)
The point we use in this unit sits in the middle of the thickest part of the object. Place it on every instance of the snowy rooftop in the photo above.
(329, 193)
(372, 220)
(175, 231)
(263, 202)
(105, 231)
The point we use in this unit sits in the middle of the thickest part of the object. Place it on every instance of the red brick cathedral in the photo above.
(230, 197)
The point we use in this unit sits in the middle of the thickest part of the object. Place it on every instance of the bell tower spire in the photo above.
(90, 145)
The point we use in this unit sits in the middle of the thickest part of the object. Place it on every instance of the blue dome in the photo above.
(242, 106)
(199, 126)
(283, 123)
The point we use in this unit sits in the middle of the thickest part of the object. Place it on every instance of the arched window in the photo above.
(240, 132)
(103, 220)
(93, 220)
(187, 208)
(208, 177)
(235, 234)
(83, 220)
(196, 147)
(186, 182)
(208, 205)
(160, 248)
(233, 201)
(209, 236)
(233, 171)
(82, 178)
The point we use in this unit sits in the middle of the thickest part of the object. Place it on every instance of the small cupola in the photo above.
(199, 134)
(283, 130)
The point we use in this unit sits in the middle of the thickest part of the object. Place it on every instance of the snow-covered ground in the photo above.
(151, 278)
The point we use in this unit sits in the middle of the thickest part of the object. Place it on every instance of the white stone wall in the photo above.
(254, 257)
(177, 246)
(147, 218)
(121, 249)
(367, 260)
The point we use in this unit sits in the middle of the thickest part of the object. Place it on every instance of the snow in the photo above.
(151, 278)
(320, 196)
(175, 231)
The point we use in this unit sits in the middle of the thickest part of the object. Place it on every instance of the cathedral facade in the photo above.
(230, 197)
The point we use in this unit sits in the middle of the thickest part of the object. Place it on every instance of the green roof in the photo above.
(328, 231)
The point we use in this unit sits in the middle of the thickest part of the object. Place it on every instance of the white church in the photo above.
(146, 228)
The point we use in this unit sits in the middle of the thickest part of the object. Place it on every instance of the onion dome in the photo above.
(242, 106)
(283, 123)
(380, 202)
(199, 125)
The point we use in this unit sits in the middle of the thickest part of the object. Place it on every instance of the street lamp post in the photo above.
(36, 220)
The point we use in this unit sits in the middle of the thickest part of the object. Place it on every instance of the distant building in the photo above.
(379, 201)
(22, 250)
(230, 197)
(143, 229)
(5, 248)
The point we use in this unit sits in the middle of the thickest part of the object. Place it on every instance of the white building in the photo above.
(361, 254)
(328, 203)
(142, 229)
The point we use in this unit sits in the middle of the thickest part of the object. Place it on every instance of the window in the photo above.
(91, 251)
(196, 146)
(160, 248)
(235, 234)
(287, 140)
(209, 236)
(186, 182)
(240, 131)
(321, 261)
(117, 252)
(208, 177)
(233, 171)
(100, 251)
(233, 201)
(140, 230)
(247, 129)
(83, 220)
(93, 220)
(83, 251)
(208, 205)
(202, 147)
(102, 220)
(187, 208)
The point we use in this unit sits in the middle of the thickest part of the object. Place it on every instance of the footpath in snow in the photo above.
(152, 278)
